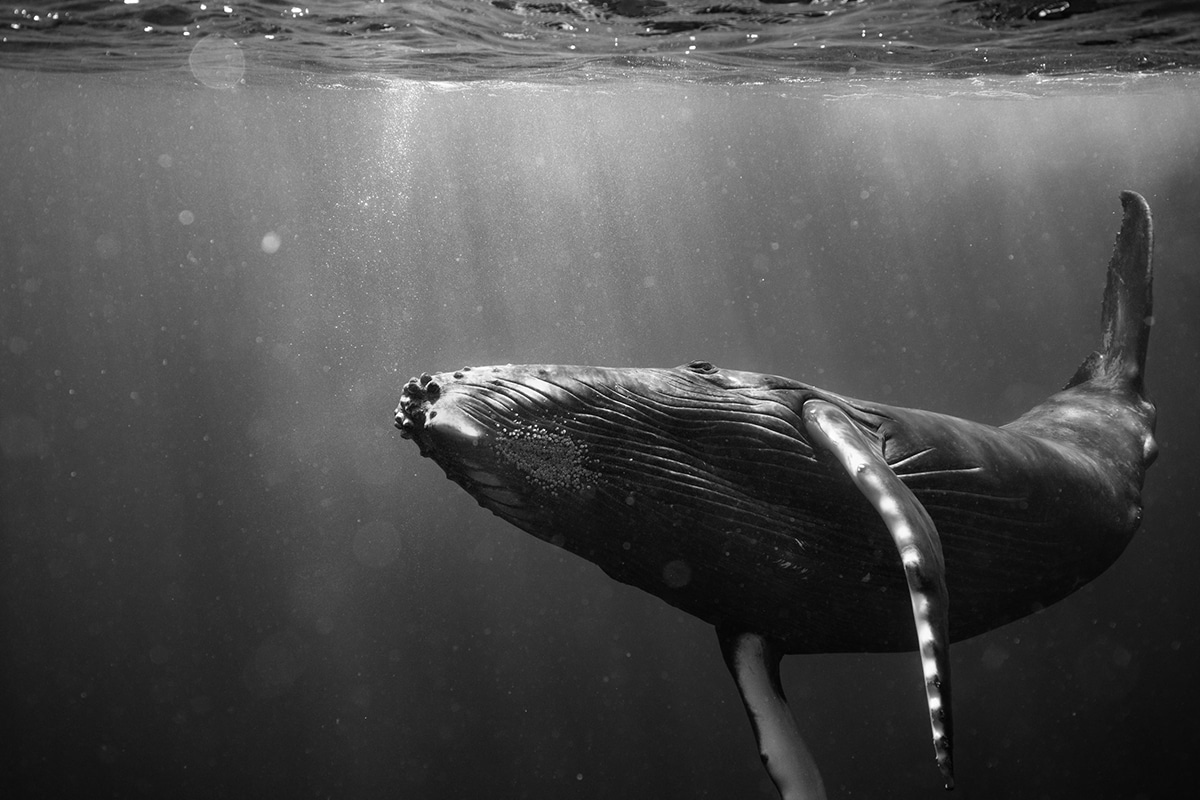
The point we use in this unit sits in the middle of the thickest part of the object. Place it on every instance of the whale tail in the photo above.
(1127, 310)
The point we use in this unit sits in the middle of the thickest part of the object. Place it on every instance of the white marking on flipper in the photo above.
(916, 539)
(754, 662)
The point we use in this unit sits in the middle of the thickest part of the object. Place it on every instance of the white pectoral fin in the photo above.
(916, 539)
(754, 662)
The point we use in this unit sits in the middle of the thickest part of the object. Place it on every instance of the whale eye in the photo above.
(703, 367)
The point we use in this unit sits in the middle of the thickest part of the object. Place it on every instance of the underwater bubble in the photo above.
(677, 574)
(108, 246)
(994, 656)
(217, 62)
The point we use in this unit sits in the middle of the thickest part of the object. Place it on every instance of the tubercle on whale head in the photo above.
(419, 409)
(414, 400)
(504, 434)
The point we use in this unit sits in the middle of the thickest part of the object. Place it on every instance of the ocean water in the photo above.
(738, 41)
(223, 253)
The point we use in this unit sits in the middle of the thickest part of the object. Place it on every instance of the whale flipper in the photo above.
(754, 661)
(916, 539)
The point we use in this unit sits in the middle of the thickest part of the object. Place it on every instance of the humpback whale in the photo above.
(796, 520)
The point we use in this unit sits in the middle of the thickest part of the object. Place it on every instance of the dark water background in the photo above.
(225, 575)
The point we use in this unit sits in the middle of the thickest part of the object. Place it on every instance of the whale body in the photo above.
(797, 520)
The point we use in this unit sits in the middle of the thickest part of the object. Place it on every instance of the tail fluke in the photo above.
(1128, 310)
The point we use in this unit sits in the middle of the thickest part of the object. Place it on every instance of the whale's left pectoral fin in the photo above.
(916, 538)
(754, 662)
